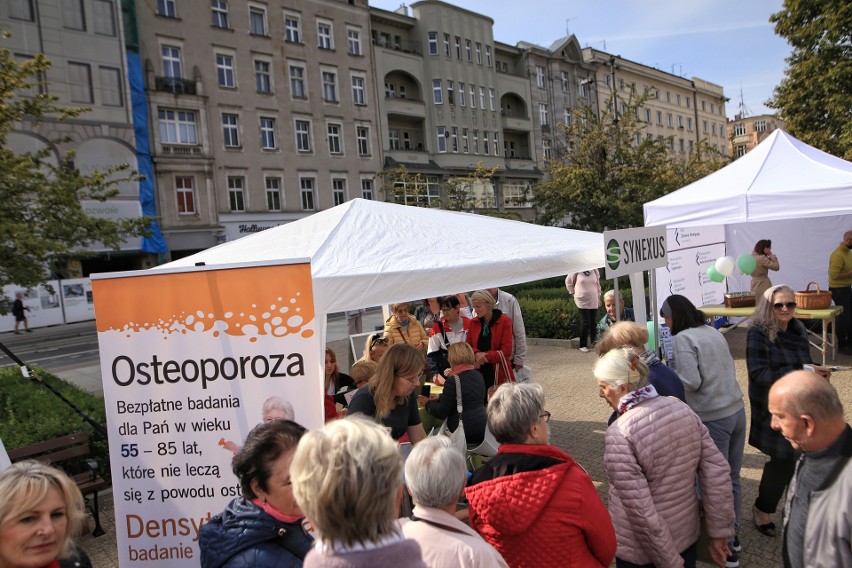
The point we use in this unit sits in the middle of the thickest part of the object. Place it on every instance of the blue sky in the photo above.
(727, 42)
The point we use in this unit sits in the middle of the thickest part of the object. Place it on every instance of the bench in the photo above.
(65, 448)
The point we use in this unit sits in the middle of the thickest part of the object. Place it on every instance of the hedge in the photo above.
(30, 413)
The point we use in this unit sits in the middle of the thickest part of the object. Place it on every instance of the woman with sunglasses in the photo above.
(777, 344)
(375, 347)
(390, 397)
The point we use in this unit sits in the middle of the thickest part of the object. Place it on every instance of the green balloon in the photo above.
(746, 263)
(653, 343)
(715, 275)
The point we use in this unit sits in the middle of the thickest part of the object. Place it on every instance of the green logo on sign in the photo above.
(613, 254)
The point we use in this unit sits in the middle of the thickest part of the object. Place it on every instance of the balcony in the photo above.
(515, 121)
(175, 85)
(404, 107)
(181, 150)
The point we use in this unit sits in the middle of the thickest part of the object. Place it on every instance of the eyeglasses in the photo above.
(545, 415)
(378, 339)
(414, 379)
(788, 305)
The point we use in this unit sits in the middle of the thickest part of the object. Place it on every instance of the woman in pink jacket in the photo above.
(586, 288)
(654, 451)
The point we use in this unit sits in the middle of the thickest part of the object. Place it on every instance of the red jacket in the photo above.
(501, 340)
(543, 517)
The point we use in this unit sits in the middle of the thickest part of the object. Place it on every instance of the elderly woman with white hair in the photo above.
(654, 452)
(532, 501)
(609, 318)
(347, 477)
(435, 474)
(41, 512)
(492, 340)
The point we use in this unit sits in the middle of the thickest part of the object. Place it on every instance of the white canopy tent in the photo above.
(783, 190)
(368, 253)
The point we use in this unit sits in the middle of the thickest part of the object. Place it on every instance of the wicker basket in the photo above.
(813, 299)
(739, 300)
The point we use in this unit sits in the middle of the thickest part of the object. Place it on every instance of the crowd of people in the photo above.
(673, 451)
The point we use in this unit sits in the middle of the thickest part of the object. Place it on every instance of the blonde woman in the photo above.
(654, 453)
(402, 328)
(389, 396)
(347, 477)
(490, 334)
(375, 347)
(41, 512)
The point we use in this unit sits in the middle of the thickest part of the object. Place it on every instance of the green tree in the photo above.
(42, 221)
(815, 96)
(607, 168)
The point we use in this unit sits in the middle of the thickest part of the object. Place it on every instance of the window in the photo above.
(292, 33)
(458, 47)
(433, 43)
(273, 193)
(447, 45)
(704, 105)
(478, 53)
(267, 133)
(679, 121)
(442, 140)
(257, 21)
(454, 139)
(712, 108)
(564, 80)
(515, 193)
(338, 190)
(185, 193)
(166, 8)
(225, 71)
(329, 86)
(465, 147)
(713, 128)
(539, 76)
(668, 96)
(390, 91)
(177, 127)
(297, 82)
(171, 61)
(236, 193)
(362, 136)
(689, 123)
(262, 77)
(472, 96)
(670, 120)
(461, 94)
(739, 130)
(73, 16)
(306, 189)
(325, 38)
(418, 192)
(358, 90)
(638, 139)
(491, 99)
(393, 139)
(467, 51)
(303, 135)
(496, 147)
(566, 117)
(334, 144)
(722, 130)
(648, 115)
(739, 150)
(545, 149)
(230, 130)
(103, 15)
(353, 36)
(486, 143)
(437, 92)
(677, 101)
(688, 102)
(112, 92)
(660, 117)
(80, 80)
(21, 10)
(705, 127)
(367, 188)
(759, 126)
(543, 114)
(219, 12)
(482, 98)
(488, 55)
(682, 145)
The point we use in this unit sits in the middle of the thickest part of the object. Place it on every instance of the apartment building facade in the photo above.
(454, 99)
(261, 113)
(84, 41)
(682, 111)
(749, 131)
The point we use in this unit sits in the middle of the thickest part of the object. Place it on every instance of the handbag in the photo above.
(438, 358)
(457, 438)
(502, 374)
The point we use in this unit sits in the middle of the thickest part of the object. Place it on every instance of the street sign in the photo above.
(634, 250)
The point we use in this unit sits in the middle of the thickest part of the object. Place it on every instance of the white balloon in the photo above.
(725, 265)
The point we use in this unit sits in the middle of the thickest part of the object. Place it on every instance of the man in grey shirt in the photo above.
(817, 526)
(509, 305)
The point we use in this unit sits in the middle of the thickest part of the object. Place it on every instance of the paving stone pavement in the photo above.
(577, 426)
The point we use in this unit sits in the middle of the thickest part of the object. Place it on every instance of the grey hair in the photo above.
(513, 409)
(611, 294)
(621, 366)
(276, 402)
(435, 472)
(764, 314)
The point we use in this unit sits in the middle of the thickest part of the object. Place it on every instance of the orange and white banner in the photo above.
(188, 360)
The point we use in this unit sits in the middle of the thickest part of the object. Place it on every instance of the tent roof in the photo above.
(781, 178)
(368, 253)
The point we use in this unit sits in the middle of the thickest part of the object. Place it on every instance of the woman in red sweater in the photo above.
(491, 334)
